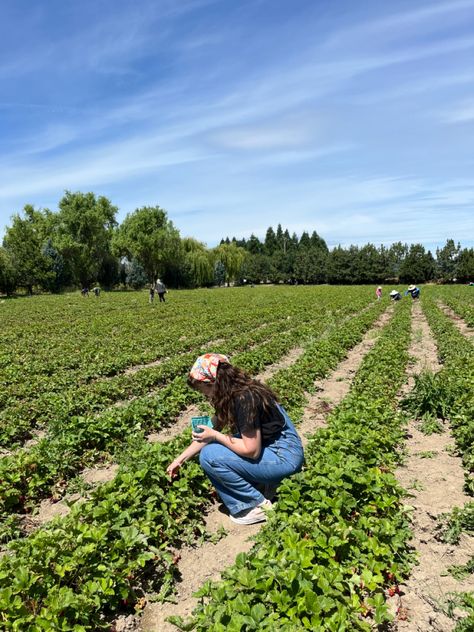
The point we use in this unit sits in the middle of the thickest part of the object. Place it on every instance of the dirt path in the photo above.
(198, 565)
(285, 362)
(435, 480)
(461, 325)
(332, 390)
(131, 370)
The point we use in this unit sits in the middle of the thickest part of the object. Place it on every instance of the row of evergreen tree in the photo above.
(307, 259)
(81, 243)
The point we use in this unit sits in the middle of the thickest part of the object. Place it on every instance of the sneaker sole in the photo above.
(254, 520)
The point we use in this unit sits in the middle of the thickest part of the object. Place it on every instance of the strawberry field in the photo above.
(85, 382)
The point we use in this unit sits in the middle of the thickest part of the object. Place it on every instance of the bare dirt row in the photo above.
(461, 325)
(434, 478)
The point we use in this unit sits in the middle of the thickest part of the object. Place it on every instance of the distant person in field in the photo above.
(261, 448)
(378, 292)
(96, 291)
(395, 295)
(85, 291)
(151, 297)
(413, 291)
(160, 289)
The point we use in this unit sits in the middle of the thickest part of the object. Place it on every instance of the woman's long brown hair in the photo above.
(231, 382)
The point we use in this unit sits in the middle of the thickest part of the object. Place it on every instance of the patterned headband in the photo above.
(205, 367)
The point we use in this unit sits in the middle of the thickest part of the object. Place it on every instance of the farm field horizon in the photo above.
(98, 384)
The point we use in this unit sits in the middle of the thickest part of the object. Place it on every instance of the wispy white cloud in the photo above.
(287, 132)
(392, 23)
(112, 164)
(342, 210)
(460, 113)
(423, 85)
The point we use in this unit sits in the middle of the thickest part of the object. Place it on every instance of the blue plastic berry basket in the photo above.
(200, 421)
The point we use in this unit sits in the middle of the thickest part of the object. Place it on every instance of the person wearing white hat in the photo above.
(395, 295)
(414, 291)
(378, 292)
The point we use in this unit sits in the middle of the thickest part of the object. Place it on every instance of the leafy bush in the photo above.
(431, 395)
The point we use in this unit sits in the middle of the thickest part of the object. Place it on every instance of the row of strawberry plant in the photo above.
(18, 421)
(28, 476)
(160, 338)
(71, 573)
(294, 382)
(88, 341)
(336, 541)
(461, 301)
(76, 570)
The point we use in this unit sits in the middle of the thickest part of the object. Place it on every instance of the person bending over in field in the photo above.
(262, 448)
(413, 291)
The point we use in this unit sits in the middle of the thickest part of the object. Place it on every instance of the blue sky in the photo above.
(354, 119)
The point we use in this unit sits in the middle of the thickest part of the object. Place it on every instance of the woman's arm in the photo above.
(194, 448)
(249, 445)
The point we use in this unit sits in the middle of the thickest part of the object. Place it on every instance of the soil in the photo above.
(332, 390)
(182, 422)
(35, 439)
(138, 367)
(285, 362)
(434, 478)
(98, 475)
(36, 436)
(462, 326)
(48, 510)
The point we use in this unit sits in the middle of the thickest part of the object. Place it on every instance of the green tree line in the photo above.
(307, 259)
(82, 244)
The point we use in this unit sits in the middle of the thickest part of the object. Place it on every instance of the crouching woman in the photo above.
(262, 446)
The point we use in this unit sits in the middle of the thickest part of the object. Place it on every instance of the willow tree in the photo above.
(8, 278)
(232, 257)
(199, 263)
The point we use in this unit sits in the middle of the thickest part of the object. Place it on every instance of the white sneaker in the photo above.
(254, 515)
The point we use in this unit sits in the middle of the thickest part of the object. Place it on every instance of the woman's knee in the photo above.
(211, 455)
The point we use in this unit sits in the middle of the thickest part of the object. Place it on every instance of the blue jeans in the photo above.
(235, 477)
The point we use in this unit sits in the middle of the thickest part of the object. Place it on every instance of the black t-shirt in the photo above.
(271, 422)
